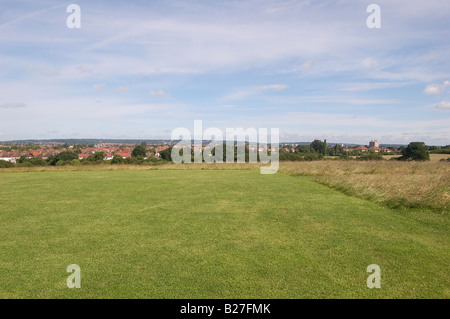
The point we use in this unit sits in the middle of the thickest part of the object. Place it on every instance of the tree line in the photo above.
(317, 150)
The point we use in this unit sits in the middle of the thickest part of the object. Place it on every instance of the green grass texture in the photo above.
(210, 234)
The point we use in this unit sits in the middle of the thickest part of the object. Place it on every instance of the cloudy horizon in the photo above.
(140, 69)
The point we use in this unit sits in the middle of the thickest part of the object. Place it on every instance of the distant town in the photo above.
(12, 152)
(15, 151)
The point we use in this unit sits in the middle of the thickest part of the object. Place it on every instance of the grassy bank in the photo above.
(391, 183)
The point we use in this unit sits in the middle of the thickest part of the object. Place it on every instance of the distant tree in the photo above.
(97, 157)
(117, 160)
(166, 154)
(338, 149)
(139, 150)
(21, 160)
(416, 151)
(304, 149)
(66, 156)
(319, 147)
(63, 156)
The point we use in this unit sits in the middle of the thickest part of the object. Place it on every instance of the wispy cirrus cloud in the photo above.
(368, 86)
(248, 92)
(13, 105)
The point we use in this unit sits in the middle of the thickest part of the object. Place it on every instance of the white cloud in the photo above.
(122, 89)
(445, 105)
(278, 87)
(99, 87)
(308, 65)
(436, 88)
(159, 93)
(368, 63)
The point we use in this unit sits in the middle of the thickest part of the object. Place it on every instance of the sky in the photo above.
(140, 69)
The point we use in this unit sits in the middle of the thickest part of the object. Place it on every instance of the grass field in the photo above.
(210, 234)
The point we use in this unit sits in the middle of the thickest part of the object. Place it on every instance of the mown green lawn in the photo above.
(210, 234)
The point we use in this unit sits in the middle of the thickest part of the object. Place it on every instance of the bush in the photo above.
(60, 163)
(117, 160)
(153, 161)
(6, 164)
(75, 162)
(313, 157)
(132, 161)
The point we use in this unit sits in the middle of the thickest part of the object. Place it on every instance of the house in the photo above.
(12, 156)
(83, 156)
(123, 154)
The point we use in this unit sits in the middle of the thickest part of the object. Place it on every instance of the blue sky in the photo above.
(313, 69)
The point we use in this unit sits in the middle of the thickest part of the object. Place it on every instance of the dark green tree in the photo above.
(304, 149)
(117, 160)
(63, 156)
(319, 147)
(97, 156)
(166, 154)
(415, 151)
(22, 159)
(139, 151)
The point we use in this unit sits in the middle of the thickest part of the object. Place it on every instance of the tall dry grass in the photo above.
(391, 183)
